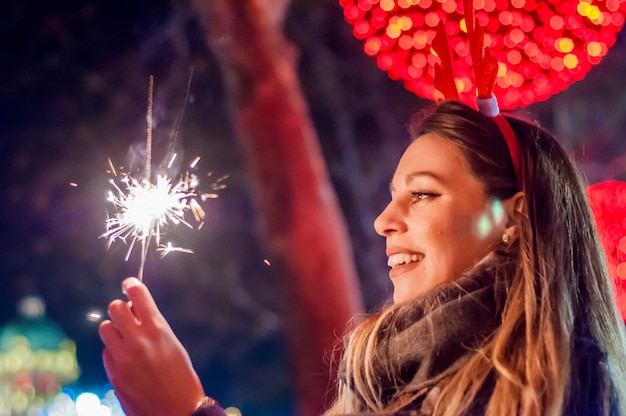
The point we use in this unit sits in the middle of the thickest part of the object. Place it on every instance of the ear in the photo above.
(514, 208)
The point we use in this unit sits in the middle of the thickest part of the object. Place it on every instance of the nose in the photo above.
(389, 220)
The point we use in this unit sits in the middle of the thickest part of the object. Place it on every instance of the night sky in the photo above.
(73, 93)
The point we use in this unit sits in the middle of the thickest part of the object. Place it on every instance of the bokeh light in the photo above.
(559, 41)
(608, 204)
(88, 404)
(71, 403)
(486, 223)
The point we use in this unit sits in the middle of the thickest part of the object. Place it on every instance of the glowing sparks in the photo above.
(144, 210)
(94, 316)
(165, 249)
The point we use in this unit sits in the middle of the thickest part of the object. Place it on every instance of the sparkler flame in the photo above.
(145, 209)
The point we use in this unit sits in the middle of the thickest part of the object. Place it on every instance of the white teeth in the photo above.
(401, 258)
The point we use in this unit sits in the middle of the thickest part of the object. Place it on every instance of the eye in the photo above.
(420, 195)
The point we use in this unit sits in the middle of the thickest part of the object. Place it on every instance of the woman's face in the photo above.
(439, 222)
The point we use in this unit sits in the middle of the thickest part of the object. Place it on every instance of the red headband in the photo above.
(485, 72)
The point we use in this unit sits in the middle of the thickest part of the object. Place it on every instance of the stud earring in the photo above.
(505, 238)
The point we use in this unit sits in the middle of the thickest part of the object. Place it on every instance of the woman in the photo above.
(551, 341)
(502, 303)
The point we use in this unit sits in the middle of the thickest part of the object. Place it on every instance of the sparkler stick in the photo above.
(149, 131)
(145, 243)
(145, 208)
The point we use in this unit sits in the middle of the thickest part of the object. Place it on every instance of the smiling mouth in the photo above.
(399, 259)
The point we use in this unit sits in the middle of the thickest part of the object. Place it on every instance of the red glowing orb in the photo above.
(541, 46)
(608, 204)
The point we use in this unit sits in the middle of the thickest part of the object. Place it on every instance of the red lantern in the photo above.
(608, 204)
(541, 46)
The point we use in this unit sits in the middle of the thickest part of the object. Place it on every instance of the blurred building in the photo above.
(36, 359)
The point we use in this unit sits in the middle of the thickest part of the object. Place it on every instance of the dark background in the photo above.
(73, 93)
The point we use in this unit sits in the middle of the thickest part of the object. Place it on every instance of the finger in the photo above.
(111, 338)
(123, 317)
(143, 304)
(109, 364)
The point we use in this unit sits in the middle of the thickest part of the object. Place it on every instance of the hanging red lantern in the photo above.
(542, 46)
(608, 204)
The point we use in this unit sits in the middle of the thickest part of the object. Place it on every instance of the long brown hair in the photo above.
(560, 290)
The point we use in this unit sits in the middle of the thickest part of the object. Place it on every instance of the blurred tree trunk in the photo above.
(302, 226)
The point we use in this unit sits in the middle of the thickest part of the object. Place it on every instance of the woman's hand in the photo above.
(147, 365)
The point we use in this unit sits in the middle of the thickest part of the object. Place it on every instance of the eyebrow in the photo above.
(417, 174)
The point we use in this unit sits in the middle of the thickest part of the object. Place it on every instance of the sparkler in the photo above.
(144, 208)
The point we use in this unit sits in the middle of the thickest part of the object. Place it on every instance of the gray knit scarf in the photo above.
(430, 338)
